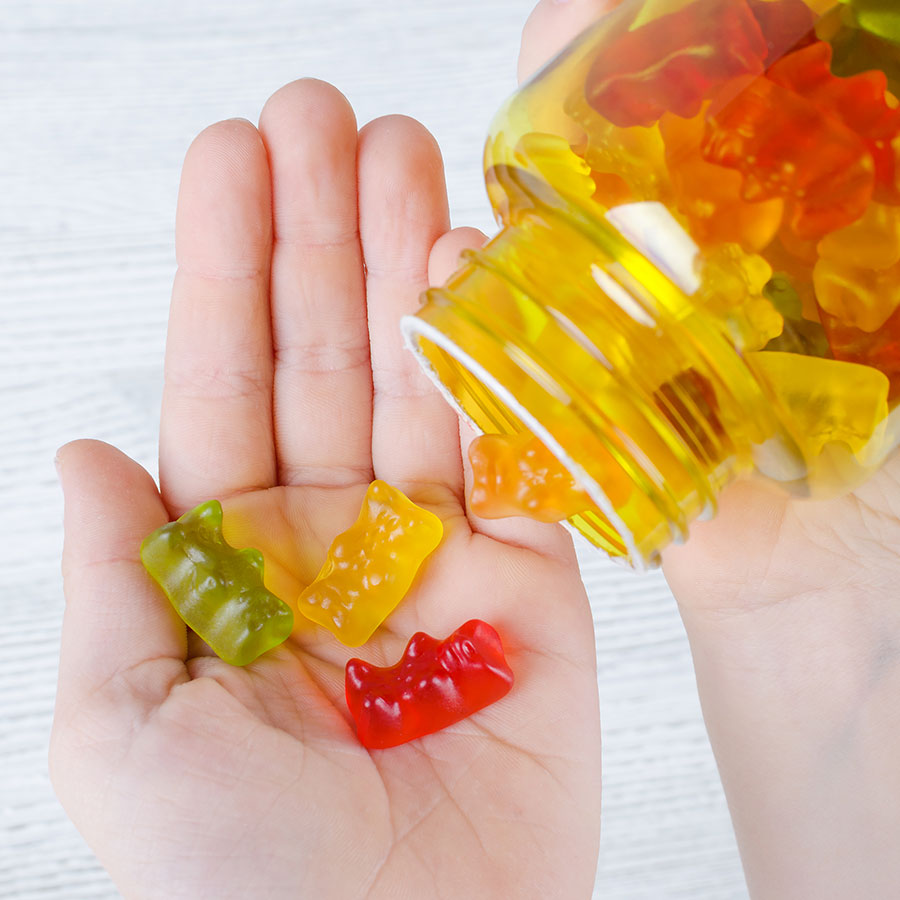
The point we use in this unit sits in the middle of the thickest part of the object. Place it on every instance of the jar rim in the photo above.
(413, 328)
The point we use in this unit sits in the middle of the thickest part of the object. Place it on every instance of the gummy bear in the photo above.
(733, 288)
(799, 334)
(878, 17)
(371, 566)
(886, 156)
(784, 24)
(826, 399)
(871, 242)
(610, 190)
(217, 590)
(701, 45)
(857, 277)
(879, 349)
(855, 48)
(798, 270)
(435, 684)
(861, 102)
(709, 196)
(516, 475)
(627, 164)
(862, 298)
(785, 146)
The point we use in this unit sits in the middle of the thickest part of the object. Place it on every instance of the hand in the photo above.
(299, 247)
(793, 613)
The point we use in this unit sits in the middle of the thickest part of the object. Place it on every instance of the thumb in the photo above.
(552, 24)
(116, 617)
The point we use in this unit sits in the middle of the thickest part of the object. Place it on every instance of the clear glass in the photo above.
(698, 273)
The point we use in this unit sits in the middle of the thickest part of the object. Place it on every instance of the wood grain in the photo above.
(98, 103)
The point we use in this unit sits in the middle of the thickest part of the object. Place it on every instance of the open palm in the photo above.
(300, 245)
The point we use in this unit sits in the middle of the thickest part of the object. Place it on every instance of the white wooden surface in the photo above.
(98, 102)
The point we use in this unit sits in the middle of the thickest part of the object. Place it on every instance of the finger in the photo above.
(515, 531)
(552, 25)
(403, 211)
(323, 385)
(117, 619)
(445, 254)
(216, 425)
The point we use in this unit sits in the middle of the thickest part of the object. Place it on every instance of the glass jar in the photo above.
(698, 273)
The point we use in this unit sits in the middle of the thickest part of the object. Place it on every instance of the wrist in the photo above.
(802, 703)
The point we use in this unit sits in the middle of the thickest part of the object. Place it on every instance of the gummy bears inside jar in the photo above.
(698, 269)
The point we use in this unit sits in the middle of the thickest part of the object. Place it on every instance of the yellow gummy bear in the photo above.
(871, 242)
(826, 399)
(863, 298)
(733, 287)
(370, 567)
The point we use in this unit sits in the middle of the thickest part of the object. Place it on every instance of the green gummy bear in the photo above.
(216, 589)
(879, 17)
(798, 335)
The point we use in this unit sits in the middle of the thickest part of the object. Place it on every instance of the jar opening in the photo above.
(489, 407)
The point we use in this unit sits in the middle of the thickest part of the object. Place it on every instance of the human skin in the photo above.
(287, 391)
(792, 609)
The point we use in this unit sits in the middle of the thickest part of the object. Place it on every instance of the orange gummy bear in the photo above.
(516, 475)
(709, 196)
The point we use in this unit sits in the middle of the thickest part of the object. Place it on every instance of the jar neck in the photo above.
(560, 327)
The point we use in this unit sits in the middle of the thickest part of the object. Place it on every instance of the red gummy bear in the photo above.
(879, 349)
(860, 102)
(828, 145)
(435, 684)
(785, 147)
(674, 62)
(785, 24)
